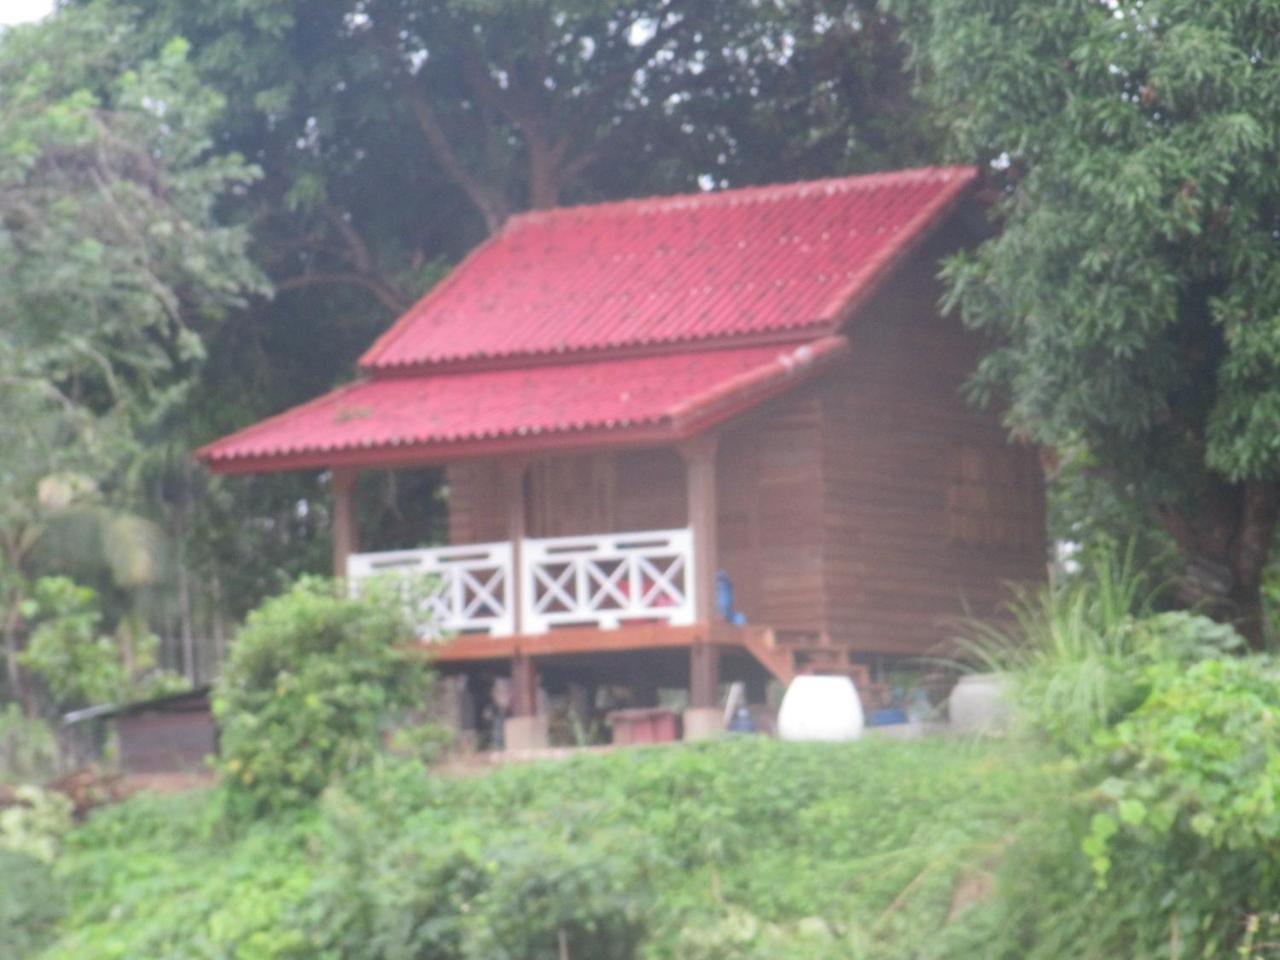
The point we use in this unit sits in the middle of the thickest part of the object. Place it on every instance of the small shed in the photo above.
(169, 734)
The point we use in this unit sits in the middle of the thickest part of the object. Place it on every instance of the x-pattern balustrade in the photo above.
(603, 581)
(451, 589)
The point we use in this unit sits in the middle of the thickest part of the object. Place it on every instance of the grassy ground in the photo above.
(736, 849)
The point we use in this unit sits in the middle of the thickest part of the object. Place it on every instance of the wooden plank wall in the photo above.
(771, 540)
(571, 495)
(928, 510)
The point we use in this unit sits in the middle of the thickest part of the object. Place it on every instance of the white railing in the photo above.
(467, 589)
(607, 580)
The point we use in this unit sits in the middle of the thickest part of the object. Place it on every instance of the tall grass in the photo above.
(1071, 645)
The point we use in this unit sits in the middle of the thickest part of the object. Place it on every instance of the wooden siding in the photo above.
(571, 495)
(871, 509)
(476, 512)
(771, 514)
(928, 511)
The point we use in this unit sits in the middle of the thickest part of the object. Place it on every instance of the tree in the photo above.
(114, 266)
(396, 131)
(1134, 286)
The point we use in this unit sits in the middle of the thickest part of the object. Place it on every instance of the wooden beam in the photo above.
(700, 465)
(345, 535)
(571, 640)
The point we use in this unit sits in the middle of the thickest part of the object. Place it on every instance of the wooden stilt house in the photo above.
(636, 400)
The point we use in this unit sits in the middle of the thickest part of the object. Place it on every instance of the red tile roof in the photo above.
(735, 265)
(620, 323)
(392, 420)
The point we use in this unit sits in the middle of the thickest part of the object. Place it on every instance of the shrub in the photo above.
(1076, 648)
(30, 904)
(1188, 796)
(314, 681)
(1165, 839)
(28, 748)
(35, 823)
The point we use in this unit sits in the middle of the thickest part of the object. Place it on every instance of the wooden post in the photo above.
(704, 661)
(524, 685)
(524, 674)
(345, 540)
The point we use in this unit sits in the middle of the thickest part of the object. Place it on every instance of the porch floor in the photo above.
(757, 641)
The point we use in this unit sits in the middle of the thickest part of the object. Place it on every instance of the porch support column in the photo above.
(513, 472)
(345, 539)
(704, 657)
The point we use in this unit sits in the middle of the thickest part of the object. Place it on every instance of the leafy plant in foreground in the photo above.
(315, 679)
(1075, 646)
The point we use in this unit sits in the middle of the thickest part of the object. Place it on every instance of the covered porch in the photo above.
(636, 608)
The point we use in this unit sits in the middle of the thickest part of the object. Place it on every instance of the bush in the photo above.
(35, 823)
(314, 681)
(30, 905)
(1188, 795)
(1164, 840)
(1076, 649)
(28, 748)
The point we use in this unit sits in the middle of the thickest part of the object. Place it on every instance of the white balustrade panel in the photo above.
(607, 580)
(467, 588)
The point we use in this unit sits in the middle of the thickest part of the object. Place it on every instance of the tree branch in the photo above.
(491, 203)
(385, 294)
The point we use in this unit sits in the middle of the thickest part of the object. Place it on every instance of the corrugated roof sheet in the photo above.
(716, 266)
(466, 413)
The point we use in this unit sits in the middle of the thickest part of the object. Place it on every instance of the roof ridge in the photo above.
(759, 193)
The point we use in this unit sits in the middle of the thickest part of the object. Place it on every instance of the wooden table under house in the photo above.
(630, 398)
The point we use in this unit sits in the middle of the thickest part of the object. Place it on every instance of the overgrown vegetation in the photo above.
(730, 850)
(1164, 838)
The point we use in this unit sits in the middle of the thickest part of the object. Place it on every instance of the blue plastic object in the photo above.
(724, 597)
(887, 717)
(742, 722)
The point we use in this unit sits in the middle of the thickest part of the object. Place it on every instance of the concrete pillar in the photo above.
(703, 723)
(525, 733)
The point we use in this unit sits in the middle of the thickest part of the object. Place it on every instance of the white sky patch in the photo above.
(24, 11)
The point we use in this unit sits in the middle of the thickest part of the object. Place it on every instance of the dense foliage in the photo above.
(315, 679)
(721, 850)
(1162, 841)
(114, 268)
(1134, 286)
(394, 135)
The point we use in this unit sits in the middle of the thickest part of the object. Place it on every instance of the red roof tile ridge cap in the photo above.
(535, 359)
(662, 203)
(209, 451)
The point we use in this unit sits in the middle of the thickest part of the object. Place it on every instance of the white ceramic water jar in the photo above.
(820, 707)
(980, 703)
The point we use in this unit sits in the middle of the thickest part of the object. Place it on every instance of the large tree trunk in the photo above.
(1226, 545)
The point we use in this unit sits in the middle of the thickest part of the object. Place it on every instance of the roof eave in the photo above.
(714, 407)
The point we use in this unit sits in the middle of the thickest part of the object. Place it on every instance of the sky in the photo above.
(21, 11)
